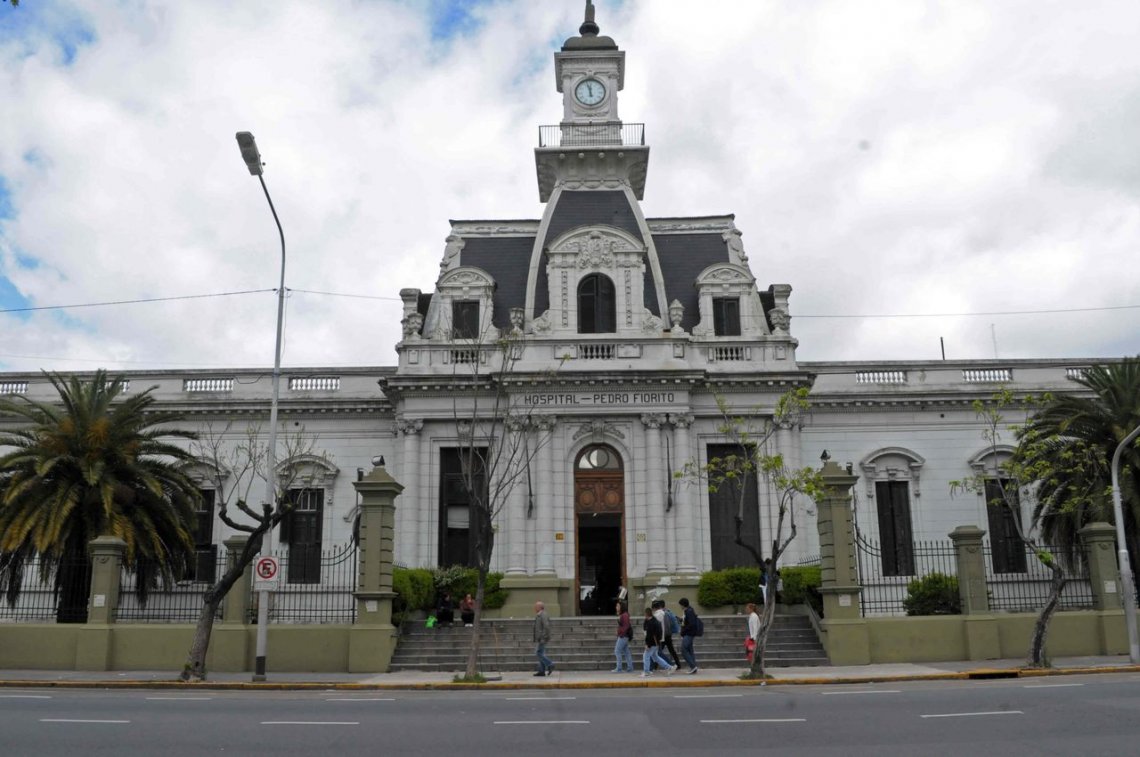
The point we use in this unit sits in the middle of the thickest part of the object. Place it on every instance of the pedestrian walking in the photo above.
(691, 627)
(541, 638)
(624, 637)
(668, 623)
(753, 631)
(653, 639)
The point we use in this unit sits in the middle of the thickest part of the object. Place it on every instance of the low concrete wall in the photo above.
(125, 646)
(943, 638)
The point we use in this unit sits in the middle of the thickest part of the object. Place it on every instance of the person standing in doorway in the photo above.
(691, 627)
(541, 638)
(624, 636)
(653, 638)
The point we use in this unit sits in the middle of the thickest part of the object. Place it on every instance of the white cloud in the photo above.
(880, 157)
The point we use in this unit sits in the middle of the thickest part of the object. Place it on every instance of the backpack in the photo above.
(698, 626)
(674, 624)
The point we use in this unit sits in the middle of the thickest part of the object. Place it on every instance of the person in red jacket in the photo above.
(624, 636)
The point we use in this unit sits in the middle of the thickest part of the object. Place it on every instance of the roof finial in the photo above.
(589, 27)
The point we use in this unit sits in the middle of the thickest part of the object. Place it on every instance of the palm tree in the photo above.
(1073, 437)
(94, 464)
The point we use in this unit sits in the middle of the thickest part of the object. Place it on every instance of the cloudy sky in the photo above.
(950, 162)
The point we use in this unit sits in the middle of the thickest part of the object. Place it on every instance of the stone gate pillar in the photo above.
(372, 638)
(235, 606)
(845, 637)
(1099, 540)
(93, 644)
(971, 562)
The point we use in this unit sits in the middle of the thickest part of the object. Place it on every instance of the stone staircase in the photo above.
(587, 643)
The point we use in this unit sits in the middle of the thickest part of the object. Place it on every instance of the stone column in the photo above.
(545, 501)
(235, 605)
(408, 525)
(372, 638)
(686, 514)
(93, 641)
(971, 564)
(656, 523)
(847, 639)
(1099, 540)
(513, 537)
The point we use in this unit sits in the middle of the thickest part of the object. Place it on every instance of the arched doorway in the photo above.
(599, 507)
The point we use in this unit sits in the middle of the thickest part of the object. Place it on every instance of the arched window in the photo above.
(597, 313)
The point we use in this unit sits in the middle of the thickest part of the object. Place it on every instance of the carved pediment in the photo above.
(595, 248)
(465, 277)
(725, 273)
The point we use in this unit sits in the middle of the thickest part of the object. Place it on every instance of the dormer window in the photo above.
(726, 316)
(465, 319)
(597, 313)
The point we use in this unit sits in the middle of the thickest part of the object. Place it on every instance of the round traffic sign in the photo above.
(266, 568)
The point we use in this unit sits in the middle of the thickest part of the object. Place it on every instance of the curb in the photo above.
(975, 674)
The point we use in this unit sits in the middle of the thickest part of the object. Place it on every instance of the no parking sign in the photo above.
(265, 572)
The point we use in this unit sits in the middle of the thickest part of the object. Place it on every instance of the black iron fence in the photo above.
(592, 135)
(317, 586)
(37, 600)
(180, 602)
(885, 573)
(1028, 589)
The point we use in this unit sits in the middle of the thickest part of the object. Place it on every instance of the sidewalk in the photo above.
(412, 680)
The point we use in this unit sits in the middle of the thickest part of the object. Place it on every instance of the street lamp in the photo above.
(1122, 551)
(252, 158)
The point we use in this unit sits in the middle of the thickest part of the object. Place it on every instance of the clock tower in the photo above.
(590, 144)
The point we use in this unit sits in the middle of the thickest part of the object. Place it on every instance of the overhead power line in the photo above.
(134, 302)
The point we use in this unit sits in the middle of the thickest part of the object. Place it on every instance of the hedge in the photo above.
(731, 586)
(933, 594)
(801, 586)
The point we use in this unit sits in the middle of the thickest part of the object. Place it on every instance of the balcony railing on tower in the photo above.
(592, 135)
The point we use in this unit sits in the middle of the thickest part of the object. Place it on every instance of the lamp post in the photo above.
(1126, 584)
(252, 158)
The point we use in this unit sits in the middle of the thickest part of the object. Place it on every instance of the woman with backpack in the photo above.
(624, 637)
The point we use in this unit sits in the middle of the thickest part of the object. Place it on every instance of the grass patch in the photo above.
(464, 678)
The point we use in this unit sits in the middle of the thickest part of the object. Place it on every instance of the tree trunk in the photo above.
(74, 587)
(195, 668)
(476, 638)
(767, 618)
(1037, 658)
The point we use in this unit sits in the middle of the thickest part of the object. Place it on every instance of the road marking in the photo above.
(537, 699)
(541, 722)
(66, 720)
(360, 699)
(869, 691)
(24, 696)
(1050, 685)
(309, 722)
(706, 696)
(179, 699)
(759, 720)
(973, 714)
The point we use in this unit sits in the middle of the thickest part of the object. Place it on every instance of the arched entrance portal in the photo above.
(599, 507)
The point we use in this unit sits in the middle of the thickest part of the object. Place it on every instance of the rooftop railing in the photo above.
(592, 135)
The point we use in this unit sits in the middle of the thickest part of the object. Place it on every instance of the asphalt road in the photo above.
(1072, 715)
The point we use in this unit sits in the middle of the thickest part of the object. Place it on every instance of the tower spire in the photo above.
(589, 27)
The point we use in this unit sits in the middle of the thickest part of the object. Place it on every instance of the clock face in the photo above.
(590, 91)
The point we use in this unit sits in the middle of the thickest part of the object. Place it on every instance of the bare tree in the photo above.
(232, 469)
(499, 438)
(748, 463)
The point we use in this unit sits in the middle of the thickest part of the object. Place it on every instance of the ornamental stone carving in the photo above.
(541, 325)
(650, 323)
(412, 325)
(518, 318)
(653, 420)
(452, 247)
(780, 319)
(735, 246)
(409, 426)
(681, 420)
(676, 313)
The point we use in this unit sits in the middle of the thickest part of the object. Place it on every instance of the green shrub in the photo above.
(801, 586)
(933, 594)
(415, 590)
(731, 586)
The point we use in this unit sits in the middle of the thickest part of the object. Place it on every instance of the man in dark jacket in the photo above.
(653, 639)
(541, 637)
(689, 626)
